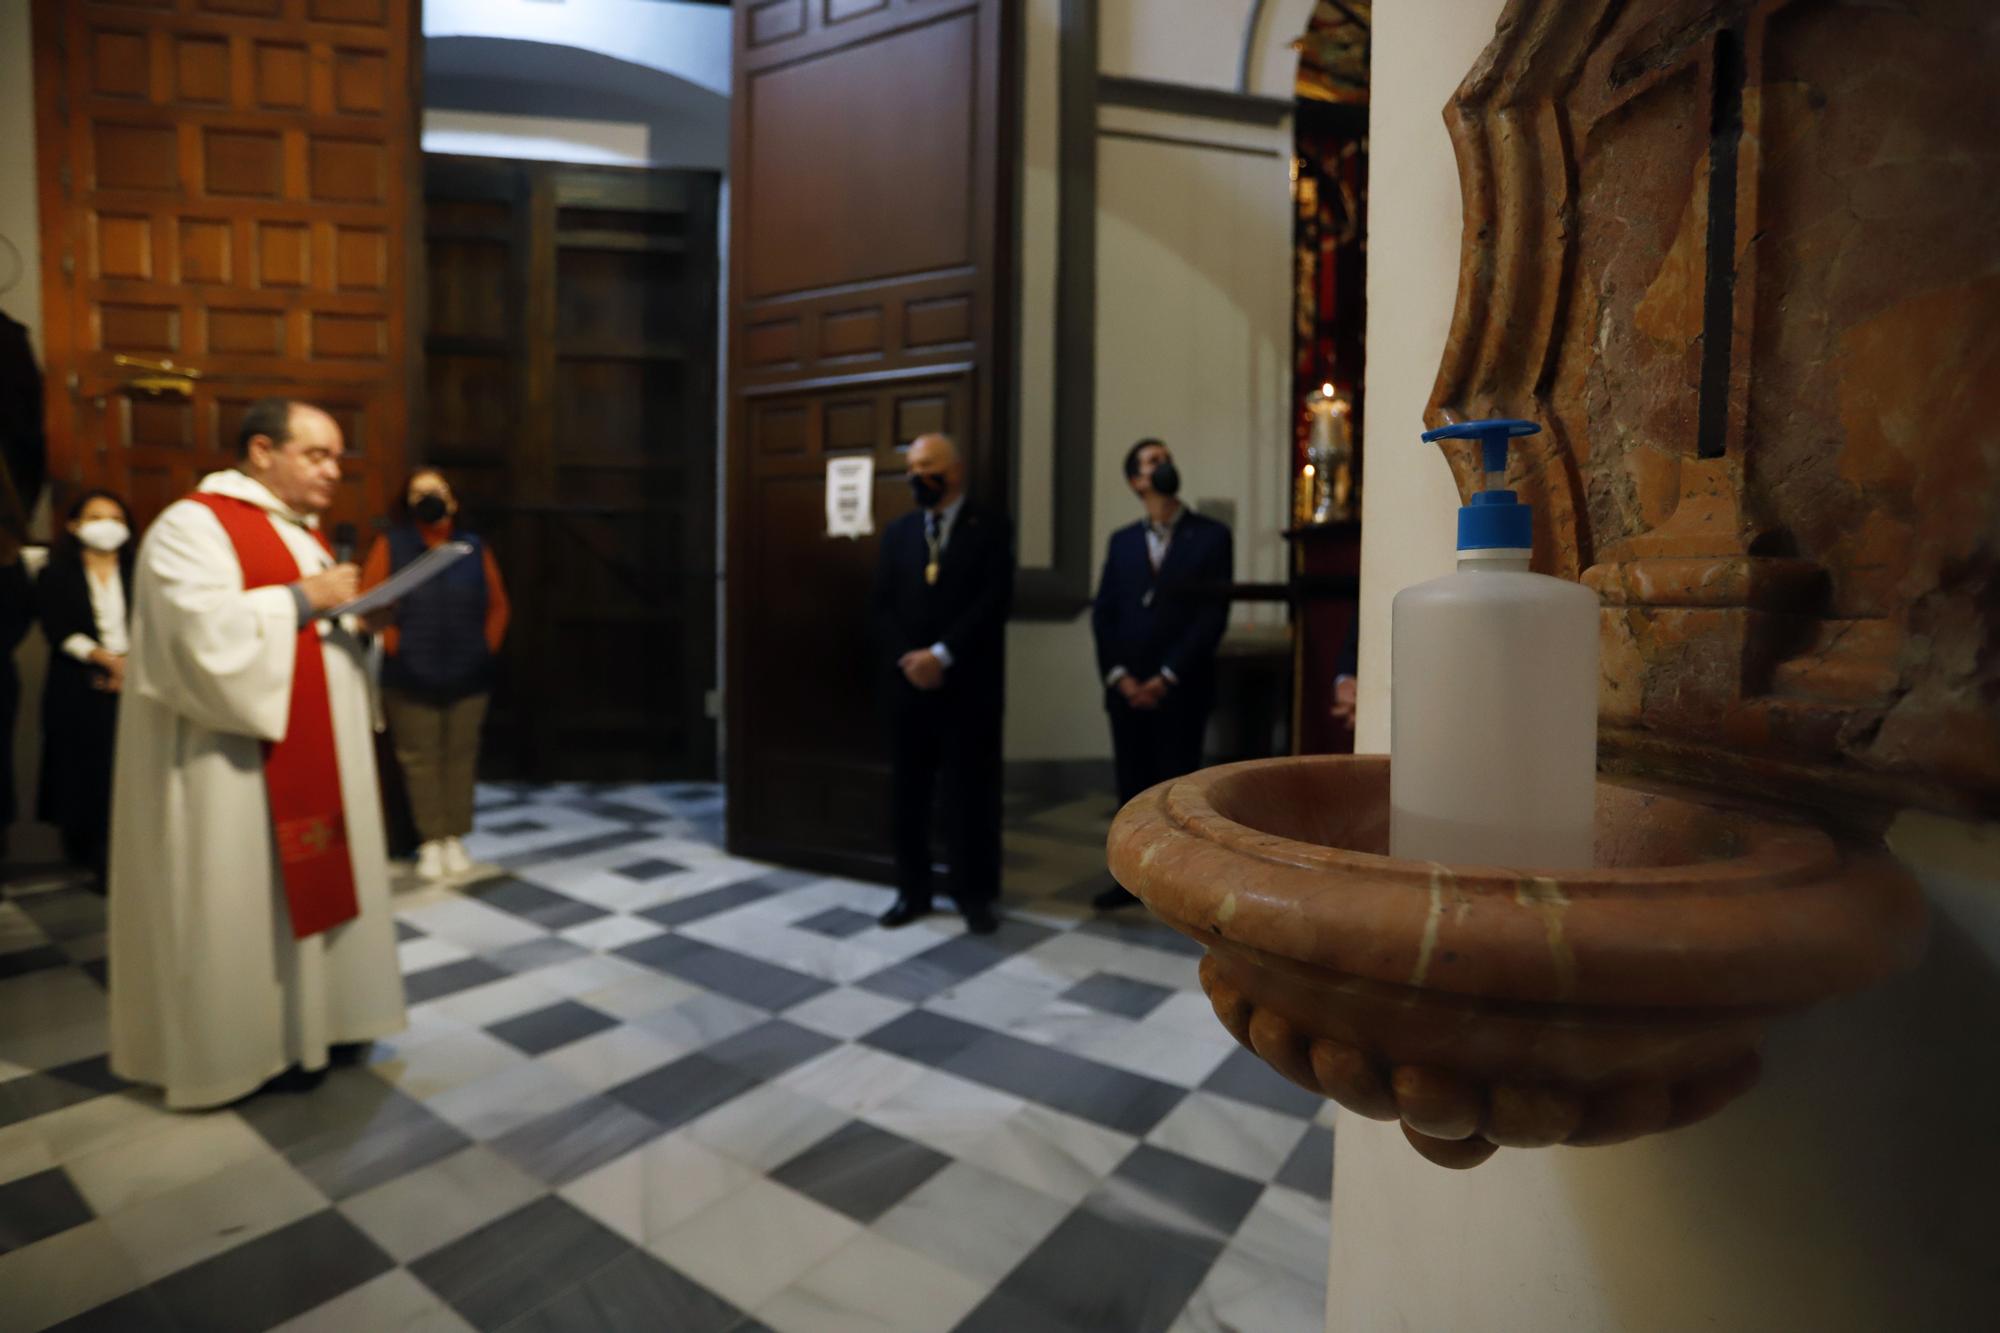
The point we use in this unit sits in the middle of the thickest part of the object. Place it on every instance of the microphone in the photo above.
(344, 537)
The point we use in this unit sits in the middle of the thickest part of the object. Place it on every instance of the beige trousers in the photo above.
(438, 747)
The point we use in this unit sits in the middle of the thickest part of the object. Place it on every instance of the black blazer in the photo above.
(1145, 621)
(62, 595)
(966, 610)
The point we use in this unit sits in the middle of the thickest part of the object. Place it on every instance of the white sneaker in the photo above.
(430, 860)
(457, 861)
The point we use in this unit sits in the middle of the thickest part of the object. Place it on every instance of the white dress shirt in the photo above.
(107, 609)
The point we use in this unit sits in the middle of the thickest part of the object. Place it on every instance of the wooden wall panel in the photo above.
(226, 184)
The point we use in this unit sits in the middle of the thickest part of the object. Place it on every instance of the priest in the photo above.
(250, 935)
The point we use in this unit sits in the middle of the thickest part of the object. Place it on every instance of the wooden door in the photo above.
(871, 228)
(570, 389)
(225, 187)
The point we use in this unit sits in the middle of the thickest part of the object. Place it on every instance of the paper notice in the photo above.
(850, 497)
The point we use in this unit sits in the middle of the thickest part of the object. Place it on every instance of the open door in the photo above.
(225, 192)
(869, 285)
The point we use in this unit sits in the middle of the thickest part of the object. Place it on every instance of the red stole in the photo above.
(302, 771)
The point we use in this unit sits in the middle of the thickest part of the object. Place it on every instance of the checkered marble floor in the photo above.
(647, 1085)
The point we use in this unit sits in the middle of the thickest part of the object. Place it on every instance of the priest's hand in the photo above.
(331, 587)
(922, 669)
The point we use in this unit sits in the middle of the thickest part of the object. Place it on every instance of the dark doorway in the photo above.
(570, 396)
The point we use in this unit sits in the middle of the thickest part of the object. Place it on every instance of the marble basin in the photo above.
(1486, 1007)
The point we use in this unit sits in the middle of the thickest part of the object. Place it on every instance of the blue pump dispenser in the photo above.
(1495, 518)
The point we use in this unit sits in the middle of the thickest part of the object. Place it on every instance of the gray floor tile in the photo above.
(273, 1278)
(344, 1163)
(31, 1095)
(861, 1170)
(1166, 1191)
(348, 1102)
(914, 979)
(533, 954)
(769, 1049)
(569, 851)
(533, 902)
(1248, 1079)
(927, 1038)
(652, 868)
(1114, 1098)
(565, 1144)
(509, 1267)
(836, 922)
(1135, 926)
(615, 810)
(436, 982)
(1118, 995)
(1309, 1169)
(138, 1310)
(558, 1025)
(635, 1294)
(738, 976)
(1093, 1273)
(709, 902)
(64, 914)
(23, 961)
(674, 1094)
(513, 827)
(39, 1206)
(406, 932)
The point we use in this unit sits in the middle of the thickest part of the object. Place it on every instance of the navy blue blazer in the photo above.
(1145, 621)
(966, 610)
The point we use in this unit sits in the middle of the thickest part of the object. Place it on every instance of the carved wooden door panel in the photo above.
(224, 191)
(868, 283)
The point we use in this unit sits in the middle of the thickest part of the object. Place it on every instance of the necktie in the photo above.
(931, 537)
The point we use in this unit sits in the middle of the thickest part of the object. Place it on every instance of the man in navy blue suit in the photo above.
(1159, 614)
(943, 591)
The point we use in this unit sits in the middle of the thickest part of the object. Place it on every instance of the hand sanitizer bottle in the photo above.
(1493, 694)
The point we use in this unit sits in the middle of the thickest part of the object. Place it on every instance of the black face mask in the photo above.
(1166, 478)
(429, 509)
(928, 490)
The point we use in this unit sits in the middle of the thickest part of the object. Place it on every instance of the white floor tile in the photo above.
(180, 1153)
(64, 1275)
(103, 1122)
(1046, 1150)
(754, 1243)
(947, 1113)
(1226, 1133)
(846, 1012)
(470, 925)
(766, 1127)
(853, 1079)
(489, 1107)
(1289, 1229)
(170, 1231)
(873, 1285)
(447, 1062)
(395, 1300)
(611, 932)
(414, 1214)
(974, 1221)
(645, 1194)
(612, 1056)
(497, 1001)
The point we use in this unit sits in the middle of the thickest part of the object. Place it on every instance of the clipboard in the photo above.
(405, 580)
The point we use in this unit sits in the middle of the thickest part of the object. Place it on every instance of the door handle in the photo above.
(162, 377)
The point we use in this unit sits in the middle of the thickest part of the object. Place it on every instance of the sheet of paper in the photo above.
(850, 496)
(399, 585)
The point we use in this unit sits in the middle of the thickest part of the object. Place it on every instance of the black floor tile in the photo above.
(635, 1294)
(38, 959)
(652, 868)
(735, 975)
(769, 1049)
(345, 1161)
(836, 922)
(31, 1095)
(564, 1144)
(1197, 1202)
(1248, 1079)
(1114, 994)
(1114, 1098)
(914, 979)
(1310, 1167)
(861, 1170)
(509, 1267)
(691, 1086)
(709, 902)
(448, 979)
(532, 902)
(349, 1103)
(622, 813)
(512, 827)
(130, 1313)
(39, 1206)
(99, 971)
(939, 968)
(274, 1278)
(927, 1038)
(558, 1025)
(1094, 1273)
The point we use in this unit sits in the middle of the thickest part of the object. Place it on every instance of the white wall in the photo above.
(690, 42)
(607, 143)
(1853, 1189)
(1193, 336)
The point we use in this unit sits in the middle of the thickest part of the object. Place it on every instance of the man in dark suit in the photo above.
(943, 592)
(1157, 619)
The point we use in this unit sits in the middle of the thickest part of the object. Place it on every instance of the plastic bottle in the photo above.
(1493, 717)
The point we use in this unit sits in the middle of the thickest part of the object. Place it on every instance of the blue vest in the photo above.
(441, 652)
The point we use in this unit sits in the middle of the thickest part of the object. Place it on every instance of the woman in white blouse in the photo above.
(83, 595)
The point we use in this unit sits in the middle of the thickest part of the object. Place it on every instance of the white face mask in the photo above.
(103, 534)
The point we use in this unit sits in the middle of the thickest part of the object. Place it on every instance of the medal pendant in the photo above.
(931, 572)
(1147, 600)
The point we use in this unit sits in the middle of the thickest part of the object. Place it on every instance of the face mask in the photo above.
(928, 490)
(430, 509)
(1166, 478)
(103, 534)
